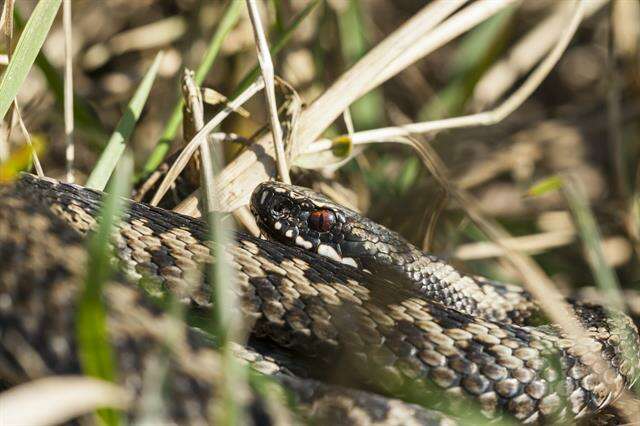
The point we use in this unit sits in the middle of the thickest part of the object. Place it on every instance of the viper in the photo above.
(337, 290)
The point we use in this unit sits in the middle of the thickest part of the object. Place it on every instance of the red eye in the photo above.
(322, 220)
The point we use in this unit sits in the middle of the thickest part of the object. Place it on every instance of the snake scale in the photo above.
(399, 323)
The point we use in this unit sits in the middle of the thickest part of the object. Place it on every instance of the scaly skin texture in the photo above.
(376, 332)
(42, 267)
(283, 212)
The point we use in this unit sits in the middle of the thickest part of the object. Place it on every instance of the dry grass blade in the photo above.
(68, 90)
(357, 80)
(488, 117)
(27, 136)
(58, 399)
(193, 99)
(461, 22)
(535, 280)
(214, 98)
(201, 137)
(228, 322)
(240, 177)
(110, 156)
(438, 209)
(6, 24)
(529, 244)
(348, 121)
(266, 68)
(526, 53)
(23, 56)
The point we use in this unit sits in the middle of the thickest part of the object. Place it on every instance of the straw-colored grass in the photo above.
(544, 46)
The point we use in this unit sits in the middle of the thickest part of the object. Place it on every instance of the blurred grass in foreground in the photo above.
(94, 349)
(470, 60)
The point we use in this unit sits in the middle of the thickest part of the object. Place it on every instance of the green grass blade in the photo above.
(368, 111)
(84, 116)
(229, 20)
(545, 186)
(118, 141)
(606, 279)
(590, 234)
(226, 313)
(475, 54)
(26, 51)
(94, 349)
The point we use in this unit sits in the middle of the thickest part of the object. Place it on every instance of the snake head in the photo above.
(301, 217)
(298, 216)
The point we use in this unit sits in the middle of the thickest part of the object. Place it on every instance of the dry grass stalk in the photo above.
(535, 280)
(233, 382)
(522, 57)
(266, 68)
(357, 81)
(488, 117)
(25, 133)
(68, 90)
(244, 173)
(6, 24)
(438, 209)
(58, 399)
(215, 98)
(193, 99)
(462, 21)
(201, 137)
(348, 121)
(528, 244)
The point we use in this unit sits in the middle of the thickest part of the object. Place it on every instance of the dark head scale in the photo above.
(301, 217)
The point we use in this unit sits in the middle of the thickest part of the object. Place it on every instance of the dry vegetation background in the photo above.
(581, 125)
(583, 118)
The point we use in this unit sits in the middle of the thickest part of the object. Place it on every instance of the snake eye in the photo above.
(281, 208)
(322, 220)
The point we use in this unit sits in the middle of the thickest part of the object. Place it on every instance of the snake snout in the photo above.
(273, 211)
(259, 198)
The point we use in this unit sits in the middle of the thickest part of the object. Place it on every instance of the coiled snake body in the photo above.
(400, 322)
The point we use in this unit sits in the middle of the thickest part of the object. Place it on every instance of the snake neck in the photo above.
(389, 256)
(300, 217)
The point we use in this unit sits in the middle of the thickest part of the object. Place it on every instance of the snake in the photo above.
(357, 302)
